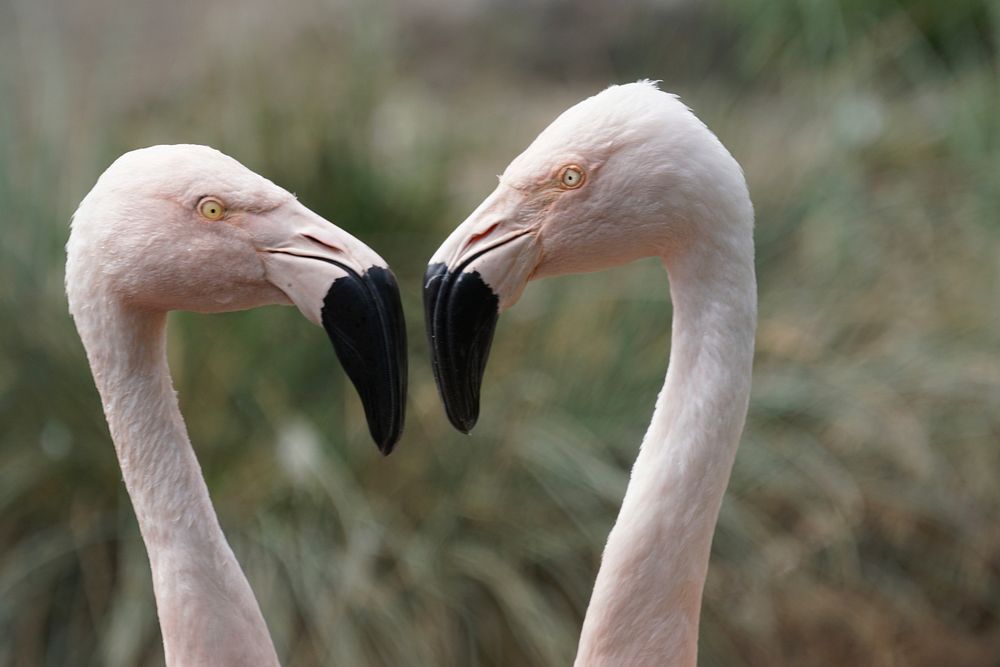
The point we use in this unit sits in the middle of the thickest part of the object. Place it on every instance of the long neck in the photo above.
(208, 614)
(647, 598)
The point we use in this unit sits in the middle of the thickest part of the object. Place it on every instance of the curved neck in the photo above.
(208, 614)
(647, 598)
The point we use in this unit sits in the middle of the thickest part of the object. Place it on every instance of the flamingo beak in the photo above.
(363, 317)
(342, 285)
(479, 271)
(461, 313)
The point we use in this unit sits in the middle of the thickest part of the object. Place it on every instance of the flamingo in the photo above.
(187, 227)
(626, 174)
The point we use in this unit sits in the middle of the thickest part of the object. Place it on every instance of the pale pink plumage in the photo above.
(137, 249)
(657, 183)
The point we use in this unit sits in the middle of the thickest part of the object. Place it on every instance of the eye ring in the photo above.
(211, 208)
(572, 176)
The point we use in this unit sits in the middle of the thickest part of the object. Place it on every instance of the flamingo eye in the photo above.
(571, 177)
(211, 208)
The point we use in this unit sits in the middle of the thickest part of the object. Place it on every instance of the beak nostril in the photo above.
(481, 235)
(322, 243)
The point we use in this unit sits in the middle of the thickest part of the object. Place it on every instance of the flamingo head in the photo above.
(188, 228)
(625, 174)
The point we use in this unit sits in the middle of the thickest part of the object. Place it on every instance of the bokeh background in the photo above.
(862, 524)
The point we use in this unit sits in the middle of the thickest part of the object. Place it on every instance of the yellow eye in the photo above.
(571, 177)
(211, 209)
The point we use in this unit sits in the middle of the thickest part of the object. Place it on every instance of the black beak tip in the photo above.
(363, 316)
(461, 313)
(464, 423)
(461, 403)
(386, 444)
(384, 426)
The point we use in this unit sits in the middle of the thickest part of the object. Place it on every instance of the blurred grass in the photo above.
(860, 526)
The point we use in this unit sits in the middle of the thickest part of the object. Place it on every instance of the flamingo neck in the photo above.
(208, 614)
(647, 598)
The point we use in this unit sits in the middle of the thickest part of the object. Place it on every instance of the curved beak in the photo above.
(480, 270)
(342, 285)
